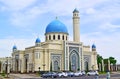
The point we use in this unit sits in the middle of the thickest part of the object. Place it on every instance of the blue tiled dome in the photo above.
(75, 10)
(38, 40)
(14, 47)
(56, 26)
(93, 46)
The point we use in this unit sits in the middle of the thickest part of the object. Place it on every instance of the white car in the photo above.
(78, 73)
(93, 73)
(62, 74)
(83, 72)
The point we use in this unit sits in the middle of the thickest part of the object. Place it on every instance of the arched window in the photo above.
(75, 14)
(49, 37)
(58, 37)
(53, 37)
(63, 37)
(74, 60)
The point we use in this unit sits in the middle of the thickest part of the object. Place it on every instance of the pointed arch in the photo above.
(74, 60)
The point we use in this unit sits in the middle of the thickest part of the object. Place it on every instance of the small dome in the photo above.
(38, 40)
(56, 26)
(14, 47)
(93, 46)
(75, 10)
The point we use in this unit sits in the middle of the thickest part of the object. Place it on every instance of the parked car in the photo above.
(70, 74)
(92, 73)
(78, 73)
(62, 74)
(50, 75)
(83, 72)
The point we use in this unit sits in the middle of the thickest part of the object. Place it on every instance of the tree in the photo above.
(106, 64)
(113, 62)
(99, 61)
(0, 65)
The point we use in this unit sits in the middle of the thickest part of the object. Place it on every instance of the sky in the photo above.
(22, 21)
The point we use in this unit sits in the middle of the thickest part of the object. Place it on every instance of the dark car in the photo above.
(50, 75)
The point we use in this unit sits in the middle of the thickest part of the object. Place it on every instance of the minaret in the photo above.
(76, 26)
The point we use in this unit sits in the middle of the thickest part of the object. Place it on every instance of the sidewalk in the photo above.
(24, 76)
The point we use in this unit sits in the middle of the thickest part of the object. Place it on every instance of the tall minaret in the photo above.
(76, 26)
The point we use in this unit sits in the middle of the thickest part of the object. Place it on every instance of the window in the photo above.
(58, 37)
(66, 37)
(37, 55)
(63, 37)
(49, 37)
(53, 37)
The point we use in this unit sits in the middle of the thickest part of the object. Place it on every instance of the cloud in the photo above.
(109, 27)
(7, 44)
(17, 4)
(107, 45)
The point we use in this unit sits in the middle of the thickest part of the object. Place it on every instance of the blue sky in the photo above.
(22, 21)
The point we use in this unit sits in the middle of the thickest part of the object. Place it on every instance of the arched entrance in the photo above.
(86, 66)
(26, 64)
(74, 61)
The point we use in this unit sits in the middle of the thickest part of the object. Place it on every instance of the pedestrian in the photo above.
(108, 75)
(96, 77)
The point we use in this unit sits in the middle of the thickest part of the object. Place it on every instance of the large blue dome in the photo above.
(56, 26)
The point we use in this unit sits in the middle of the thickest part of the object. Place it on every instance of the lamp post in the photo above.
(7, 66)
(39, 69)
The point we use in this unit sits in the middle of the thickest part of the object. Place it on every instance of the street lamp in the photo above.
(39, 69)
(7, 66)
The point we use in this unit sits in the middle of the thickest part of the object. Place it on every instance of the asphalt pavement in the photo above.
(115, 75)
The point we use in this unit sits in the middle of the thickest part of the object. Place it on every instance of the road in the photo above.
(32, 76)
(113, 76)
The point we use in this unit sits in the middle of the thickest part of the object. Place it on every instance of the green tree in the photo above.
(0, 65)
(99, 59)
(106, 64)
(113, 61)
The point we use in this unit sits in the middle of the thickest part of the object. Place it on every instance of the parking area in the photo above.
(35, 76)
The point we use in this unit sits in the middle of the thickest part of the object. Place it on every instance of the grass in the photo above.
(102, 72)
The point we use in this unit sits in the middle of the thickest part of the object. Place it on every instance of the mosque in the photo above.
(56, 53)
